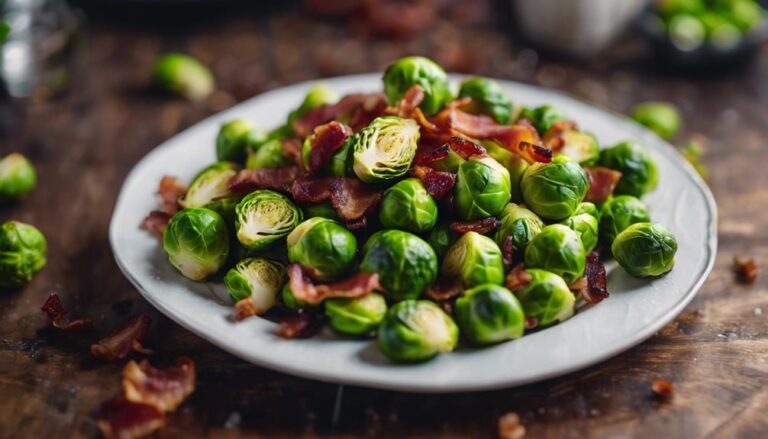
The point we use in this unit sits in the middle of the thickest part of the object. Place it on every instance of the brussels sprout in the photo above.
(290, 301)
(384, 149)
(618, 213)
(406, 263)
(476, 259)
(721, 32)
(450, 163)
(197, 242)
(482, 189)
(518, 223)
(581, 147)
(263, 217)
(515, 164)
(744, 13)
(22, 253)
(542, 117)
(339, 165)
(323, 210)
(489, 314)
(588, 208)
(319, 94)
(407, 206)
(17, 177)
(488, 97)
(441, 238)
(686, 32)
(324, 246)
(661, 117)
(554, 190)
(258, 278)
(546, 298)
(407, 72)
(416, 330)
(269, 155)
(184, 76)
(209, 189)
(359, 316)
(586, 226)
(235, 138)
(645, 249)
(557, 249)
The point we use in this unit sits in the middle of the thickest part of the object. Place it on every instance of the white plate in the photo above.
(635, 310)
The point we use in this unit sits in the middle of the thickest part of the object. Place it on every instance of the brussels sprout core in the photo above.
(357, 316)
(324, 246)
(416, 330)
(263, 217)
(17, 177)
(22, 253)
(557, 249)
(197, 242)
(184, 76)
(476, 259)
(258, 279)
(645, 249)
(408, 206)
(482, 189)
(489, 314)
(416, 70)
(384, 149)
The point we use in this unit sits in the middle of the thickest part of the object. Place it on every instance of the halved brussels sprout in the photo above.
(645, 249)
(554, 190)
(638, 169)
(618, 213)
(408, 206)
(22, 253)
(17, 177)
(488, 98)
(441, 238)
(263, 217)
(235, 138)
(319, 94)
(406, 263)
(476, 259)
(323, 246)
(407, 72)
(384, 149)
(586, 226)
(542, 117)
(323, 210)
(183, 76)
(269, 155)
(197, 242)
(518, 223)
(416, 330)
(482, 189)
(209, 189)
(661, 117)
(359, 316)
(581, 147)
(259, 279)
(489, 314)
(546, 298)
(557, 249)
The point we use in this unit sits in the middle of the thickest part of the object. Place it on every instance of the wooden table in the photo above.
(84, 144)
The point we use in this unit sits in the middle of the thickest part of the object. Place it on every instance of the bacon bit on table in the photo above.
(427, 154)
(305, 290)
(292, 151)
(466, 148)
(300, 324)
(510, 426)
(311, 190)
(120, 343)
(481, 226)
(165, 389)
(351, 198)
(594, 288)
(248, 180)
(517, 278)
(58, 315)
(304, 125)
(155, 223)
(602, 182)
(746, 269)
(663, 389)
(437, 183)
(328, 139)
(169, 193)
(122, 419)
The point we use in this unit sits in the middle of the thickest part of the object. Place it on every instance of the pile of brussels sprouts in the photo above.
(409, 240)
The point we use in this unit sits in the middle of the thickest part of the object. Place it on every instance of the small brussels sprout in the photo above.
(557, 249)
(209, 189)
(489, 314)
(661, 117)
(482, 189)
(515, 164)
(416, 330)
(744, 13)
(441, 238)
(518, 223)
(618, 213)
(384, 149)
(476, 259)
(319, 94)
(259, 279)
(554, 190)
(407, 72)
(269, 155)
(586, 226)
(581, 147)
(588, 208)
(542, 117)
(197, 242)
(235, 138)
(22, 253)
(323, 210)
(406, 263)
(638, 169)
(324, 246)
(359, 316)
(686, 32)
(408, 206)
(546, 298)
(17, 177)
(263, 217)
(183, 76)
(488, 97)
(721, 32)
(645, 249)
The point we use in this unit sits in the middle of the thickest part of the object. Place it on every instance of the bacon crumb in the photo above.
(55, 311)
(510, 426)
(517, 278)
(244, 308)
(120, 343)
(155, 223)
(593, 288)
(602, 182)
(358, 224)
(292, 151)
(746, 269)
(481, 226)
(508, 251)
(663, 389)
(300, 324)
(165, 389)
(466, 148)
(531, 322)
(122, 419)
(437, 183)
(169, 193)
(425, 155)
(445, 292)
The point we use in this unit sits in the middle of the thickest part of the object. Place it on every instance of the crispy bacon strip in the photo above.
(602, 182)
(244, 308)
(437, 183)
(120, 343)
(351, 198)
(306, 291)
(164, 389)
(304, 125)
(300, 324)
(466, 148)
(481, 226)
(517, 278)
(292, 151)
(155, 223)
(58, 315)
(169, 193)
(123, 419)
(595, 290)
(373, 106)
(426, 155)
(328, 139)
(249, 180)
(311, 190)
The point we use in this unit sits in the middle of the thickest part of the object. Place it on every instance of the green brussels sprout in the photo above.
(581, 147)
(384, 149)
(263, 217)
(259, 279)
(319, 94)
(489, 314)
(408, 206)
(5, 30)
(338, 166)
(669, 8)
(359, 316)
(407, 72)
(482, 189)
(476, 259)
(235, 138)
(22, 253)
(721, 32)
(441, 238)
(588, 208)
(17, 177)
(618, 213)
(323, 210)
(269, 155)
(557, 249)
(518, 223)
(290, 301)
(745, 14)
(324, 246)
(183, 76)
(197, 242)
(686, 32)
(546, 298)
(586, 226)
(554, 190)
(406, 263)
(661, 117)
(209, 189)
(488, 97)
(645, 249)
(416, 330)
(542, 117)
(515, 164)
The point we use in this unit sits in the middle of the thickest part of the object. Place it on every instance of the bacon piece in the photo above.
(120, 343)
(373, 106)
(466, 148)
(437, 183)
(530, 322)
(594, 272)
(602, 182)
(328, 139)
(292, 151)
(311, 190)
(123, 419)
(164, 389)
(427, 155)
(663, 389)
(508, 251)
(351, 198)
(244, 308)
(169, 193)
(300, 324)
(58, 315)
(534, 153)
(517, 278)
(304, 125)
(746, 269)
(445, 292)
(408, 108)
(155, 223)
(306, 291)
(510, 427)
(481, 226)
(249, 180)
(358, 224)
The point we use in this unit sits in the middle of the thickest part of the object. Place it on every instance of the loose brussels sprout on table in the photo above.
(407, 206)
(488, 97)
(476, 259)
(518, 224)
(416, 70)
(184, 76)
(17, 177)
(557, 249)
(197, 242)
(661, 117)
(645, 249)
(263, 217)
(323, 246)
(235, 138)
(416, 330)
(209, 189)
(546, 298)
(482, 189)
(554, 190)
(358, 316)
(489, 314)
(384, 149)
(639, 174)
(22, 253)
(259, 279)
(618, 213)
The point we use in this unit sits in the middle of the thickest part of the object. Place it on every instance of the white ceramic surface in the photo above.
(635, 310)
